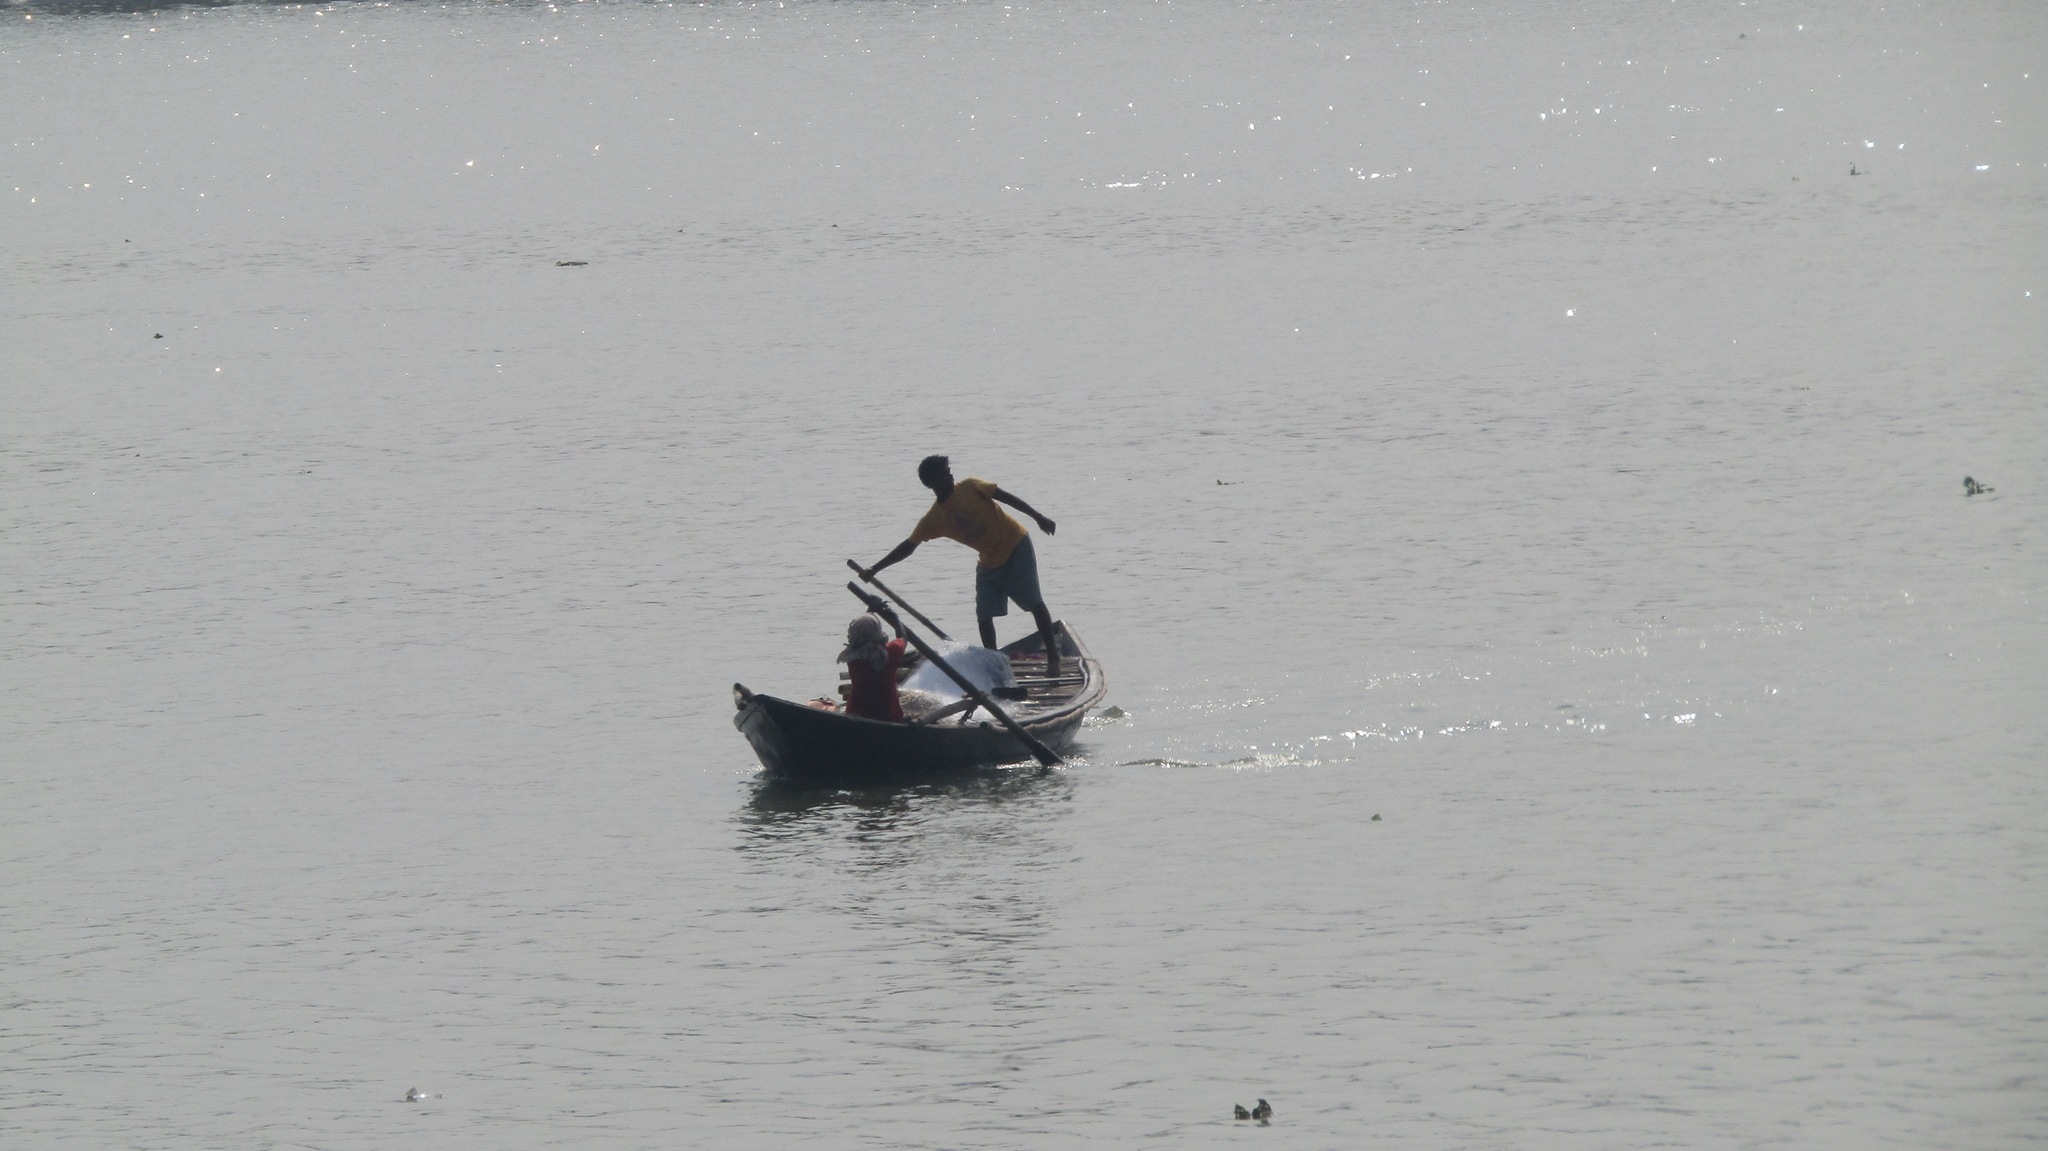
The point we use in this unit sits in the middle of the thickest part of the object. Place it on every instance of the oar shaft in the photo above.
(1045, 755)
(899, 600)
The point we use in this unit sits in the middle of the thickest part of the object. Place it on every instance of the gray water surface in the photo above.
(1518, 426)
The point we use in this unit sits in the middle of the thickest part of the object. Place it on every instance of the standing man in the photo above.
(1008, 566)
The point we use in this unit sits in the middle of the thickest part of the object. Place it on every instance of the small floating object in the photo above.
(1375, 817)
(1111, 712)
(1263, 1111)
(1973, 488)
(1853, 171)
(159, 335)
(1238, 1109)
(572, 263)
(415, 1095)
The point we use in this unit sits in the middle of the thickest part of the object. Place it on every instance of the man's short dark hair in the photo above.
(931, 468)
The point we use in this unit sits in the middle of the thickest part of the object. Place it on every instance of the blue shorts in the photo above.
(1016, 580)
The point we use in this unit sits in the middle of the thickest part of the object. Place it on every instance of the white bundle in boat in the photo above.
(985, 668)
(918, 704)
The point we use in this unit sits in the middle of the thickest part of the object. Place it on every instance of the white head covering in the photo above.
(865, 639)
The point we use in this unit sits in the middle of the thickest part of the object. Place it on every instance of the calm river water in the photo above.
(1509, 466)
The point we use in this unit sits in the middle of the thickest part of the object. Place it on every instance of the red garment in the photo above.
(871, 693)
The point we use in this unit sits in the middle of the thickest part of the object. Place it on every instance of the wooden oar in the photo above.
(1046, 756)
(864, 574)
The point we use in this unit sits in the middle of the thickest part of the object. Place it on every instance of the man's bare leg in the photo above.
(1052, 651)
(988, 630)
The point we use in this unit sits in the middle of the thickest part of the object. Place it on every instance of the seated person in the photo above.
(871, 660)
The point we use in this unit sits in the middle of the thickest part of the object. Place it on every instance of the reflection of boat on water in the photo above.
(788, 808)
(799, 742)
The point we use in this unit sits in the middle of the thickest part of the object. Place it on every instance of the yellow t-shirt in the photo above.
(971, 516)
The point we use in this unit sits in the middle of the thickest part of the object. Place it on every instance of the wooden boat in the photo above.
(799, 742)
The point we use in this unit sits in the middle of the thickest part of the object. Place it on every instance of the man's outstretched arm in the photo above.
(902, 552)
(1044, 525)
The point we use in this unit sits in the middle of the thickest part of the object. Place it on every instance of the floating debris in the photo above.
(572, 263)
(1973, 488)
(415, 1095)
